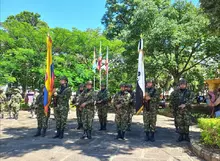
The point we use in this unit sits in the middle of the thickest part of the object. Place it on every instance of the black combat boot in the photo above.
(61, 134)
(152, 139)
(123, 135)
(84, 135)
(147, 136)
(44, 132)
(57, 134)
(79, 126)
(129, 128)
(89, 134)
(180, 138)
(119, 135)
(104, 125)
(186, 137)
(38, 132)
(101, 126)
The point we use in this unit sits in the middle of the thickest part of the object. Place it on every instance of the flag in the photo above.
(106, 62)
(49, 76)
(94, 64)
(140, 89)
(100, 58)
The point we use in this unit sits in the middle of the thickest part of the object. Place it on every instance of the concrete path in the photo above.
(17, 143)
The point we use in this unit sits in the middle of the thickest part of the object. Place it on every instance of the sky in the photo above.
(81, 14)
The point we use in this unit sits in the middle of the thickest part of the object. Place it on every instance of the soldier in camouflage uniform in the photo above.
(76, 103)
(62, 106)
(3, 102)
(132, 105)
(180, 100)
(42, 119)
(15, 102)
(87, 100)
(121, 103)
(102, 106)
(151, 103)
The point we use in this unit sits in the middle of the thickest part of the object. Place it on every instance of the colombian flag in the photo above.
(49, 77)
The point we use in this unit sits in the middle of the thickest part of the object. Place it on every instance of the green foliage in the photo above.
(210, 131)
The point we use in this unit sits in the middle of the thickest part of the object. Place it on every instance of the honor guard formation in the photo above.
(88, 102)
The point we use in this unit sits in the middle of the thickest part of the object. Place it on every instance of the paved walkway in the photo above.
(17, 143)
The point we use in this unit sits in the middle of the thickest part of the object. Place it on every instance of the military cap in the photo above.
(64, 78)
(182, 81)
(81, 85)
(129, 85)
(36, 89)
(89, 82)
(16, 90)
(149, 81)
(103, 85)
(122, 85)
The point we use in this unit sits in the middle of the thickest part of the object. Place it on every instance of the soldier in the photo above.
(36, 93)
(14, 102)
(62, 106)
(121, 103)
(87, 100)
(78, 110)
(180, 100)
(151, 103)
(3, 102)
(42, 119)
(131, 106)
(102, 106)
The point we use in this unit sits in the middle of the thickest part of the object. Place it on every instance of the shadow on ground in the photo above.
(102, 146)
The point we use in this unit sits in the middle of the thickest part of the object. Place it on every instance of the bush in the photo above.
(210, 131)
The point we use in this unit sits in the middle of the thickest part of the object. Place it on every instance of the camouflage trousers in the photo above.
(61, 117)
(183, 120)
(14, 110)
(102, 114)
(87, 118)
(79, 115)
(150, 119)
(121, 120)
(2, 109)
(42, 119)
(130, 115)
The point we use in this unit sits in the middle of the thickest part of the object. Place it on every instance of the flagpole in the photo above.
(100, 70)
(94, 69)
(107, 69)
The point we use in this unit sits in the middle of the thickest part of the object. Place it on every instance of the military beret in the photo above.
(149, 81)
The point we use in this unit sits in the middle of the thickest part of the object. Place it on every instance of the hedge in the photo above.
(210, 134)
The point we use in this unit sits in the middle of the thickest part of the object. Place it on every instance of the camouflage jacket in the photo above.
(3, 98)
(62, 98)
(102, 96)
(15, 99)
(75, 100)
(155, 98)
(121, 101)
(179, 97)
(87, 97)
(40, 101)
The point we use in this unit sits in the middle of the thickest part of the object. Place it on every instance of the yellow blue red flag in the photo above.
(49, 77)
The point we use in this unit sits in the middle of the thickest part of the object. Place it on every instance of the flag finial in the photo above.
(141, 36)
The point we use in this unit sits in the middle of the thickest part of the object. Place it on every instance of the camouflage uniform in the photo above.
(42, 119)
(131, 107)
(183, 115)
(78, 110)
(62, 108)
(150, 112)
(121, 103)
(3, 103)
(88, 112)
(14, 103)
(102, 106)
